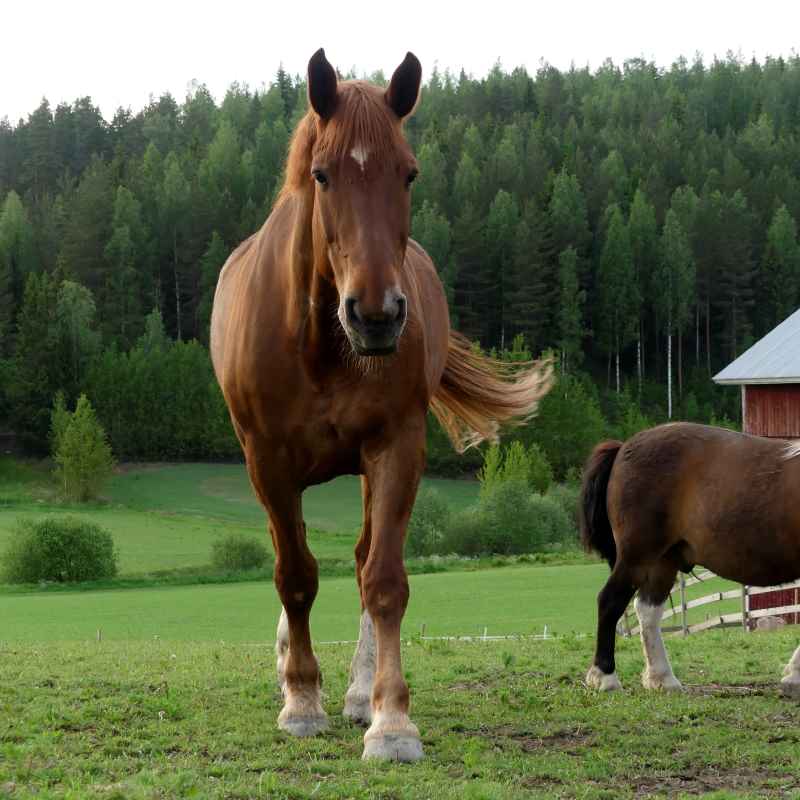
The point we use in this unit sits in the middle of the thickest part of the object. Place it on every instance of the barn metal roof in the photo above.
(773, 359)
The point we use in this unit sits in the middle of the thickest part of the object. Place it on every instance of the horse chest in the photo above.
(329, 432)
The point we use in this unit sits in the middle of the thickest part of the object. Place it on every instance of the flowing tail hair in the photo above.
(596, 533)
(478, 394)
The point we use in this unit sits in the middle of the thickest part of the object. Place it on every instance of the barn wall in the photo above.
(772, 410)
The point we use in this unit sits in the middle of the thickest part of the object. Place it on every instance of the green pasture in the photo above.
(509, 600)
(504, 601)
(156, 719)
(223, 491)
(166, 517)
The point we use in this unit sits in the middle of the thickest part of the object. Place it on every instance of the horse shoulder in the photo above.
(220, 311)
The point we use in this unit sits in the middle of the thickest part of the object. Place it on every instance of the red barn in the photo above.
(769, 374)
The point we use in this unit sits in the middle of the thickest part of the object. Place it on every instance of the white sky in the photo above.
(120, 53)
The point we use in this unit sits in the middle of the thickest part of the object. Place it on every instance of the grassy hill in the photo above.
(166, 517)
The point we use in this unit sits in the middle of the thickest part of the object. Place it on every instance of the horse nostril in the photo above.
(401, 308)
(350, 310)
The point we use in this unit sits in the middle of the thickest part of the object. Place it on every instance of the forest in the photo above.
(638, 222)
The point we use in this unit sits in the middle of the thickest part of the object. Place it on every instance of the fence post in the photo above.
(745, 609)
(684, 624)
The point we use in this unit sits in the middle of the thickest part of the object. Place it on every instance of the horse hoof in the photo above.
(358, 709)
(597, 679)
(667, 683)
(790, 687)
(301, 726)
(401, 747)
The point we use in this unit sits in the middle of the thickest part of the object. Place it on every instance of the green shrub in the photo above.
(61, 549)
(567, 495)
(515, 463)
(236, 552)
(82, 453)
(554, 526)
(428, 522)
(465, 534)
(569, 423)
(509, 520)
(540, 473)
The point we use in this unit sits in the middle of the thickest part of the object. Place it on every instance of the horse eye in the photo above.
(411, 177)
(320, 177)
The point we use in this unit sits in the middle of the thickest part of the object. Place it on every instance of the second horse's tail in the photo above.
(596, 533)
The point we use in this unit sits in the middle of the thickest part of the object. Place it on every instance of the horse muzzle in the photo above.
(374, 334)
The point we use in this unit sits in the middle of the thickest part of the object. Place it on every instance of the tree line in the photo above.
(640, 222)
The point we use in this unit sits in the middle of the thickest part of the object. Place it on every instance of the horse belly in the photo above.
(755, 558)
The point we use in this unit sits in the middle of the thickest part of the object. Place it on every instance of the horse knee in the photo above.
(297, 591)
(385, 593)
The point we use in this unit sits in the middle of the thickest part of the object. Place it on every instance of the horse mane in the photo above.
(362, 118)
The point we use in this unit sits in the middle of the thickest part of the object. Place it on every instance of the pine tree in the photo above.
(121, 298)
(618, 300)
(501, 225)
(676, 278)
(643, 232)
(37, 366)
(782, 262)
(16, 262)
(84, 458)
(570, 310)
(210, 265)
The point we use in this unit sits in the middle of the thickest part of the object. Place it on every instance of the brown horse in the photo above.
(331, 339)
(680, 495)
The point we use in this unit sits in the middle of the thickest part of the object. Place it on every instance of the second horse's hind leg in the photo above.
(611, 604)
(657, 671)
(653, 594)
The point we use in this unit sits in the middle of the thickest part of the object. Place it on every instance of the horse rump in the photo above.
(596, 533)
(478, 394)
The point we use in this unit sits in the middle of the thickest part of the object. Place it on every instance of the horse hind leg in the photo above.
(611, 604)
(650, 608)
(790, 685)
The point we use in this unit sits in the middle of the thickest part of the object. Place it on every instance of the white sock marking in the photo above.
(658, 672)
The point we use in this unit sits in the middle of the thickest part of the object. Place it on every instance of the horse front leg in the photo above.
(393, 476)
(297, 582)
(790, 685)
(357, 702)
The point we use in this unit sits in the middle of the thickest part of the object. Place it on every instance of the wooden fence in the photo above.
(677, 612)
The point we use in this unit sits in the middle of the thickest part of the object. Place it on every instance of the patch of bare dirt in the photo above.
(724, 690)
(567, 741)
(768, 783)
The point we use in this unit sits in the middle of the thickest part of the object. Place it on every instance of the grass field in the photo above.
(177, 698)
(160, 719)
(223, 491)
(166, 517)
(506, 601)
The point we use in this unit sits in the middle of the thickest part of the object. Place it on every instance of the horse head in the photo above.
(363, 169)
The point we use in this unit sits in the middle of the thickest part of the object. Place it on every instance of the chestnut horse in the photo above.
(330, 338)
(679, 495)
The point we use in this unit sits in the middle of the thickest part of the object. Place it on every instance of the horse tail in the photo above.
(596, 533)
(478, 394)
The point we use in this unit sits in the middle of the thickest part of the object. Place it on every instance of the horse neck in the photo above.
(312, 298)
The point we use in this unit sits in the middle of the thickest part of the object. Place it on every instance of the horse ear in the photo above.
(321, 84)
(404, 87)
